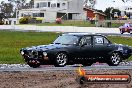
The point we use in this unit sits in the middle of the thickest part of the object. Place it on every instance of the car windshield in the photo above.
(130, 24)
(66, 39)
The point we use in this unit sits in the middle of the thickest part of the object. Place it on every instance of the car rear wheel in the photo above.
(61, 60)
(115, 59)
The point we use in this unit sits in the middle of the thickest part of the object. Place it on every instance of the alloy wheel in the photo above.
(115, 59)
(61, 59)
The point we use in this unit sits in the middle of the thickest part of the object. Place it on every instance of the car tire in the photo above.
(131, 32)
(121, 31)
(115, 59)
(87, 64)
(61, 60)
(33, 65)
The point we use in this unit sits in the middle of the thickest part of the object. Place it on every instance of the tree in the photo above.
(118, 12)
(110, 12)
(107, 12)
(20, 4)
(126, 1)
(6, 9)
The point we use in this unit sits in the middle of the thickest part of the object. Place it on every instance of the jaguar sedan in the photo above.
(76, 48)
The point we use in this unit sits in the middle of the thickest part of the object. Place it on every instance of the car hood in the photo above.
(45, 47)
(123, 46)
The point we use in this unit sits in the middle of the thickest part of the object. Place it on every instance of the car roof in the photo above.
(80, 33)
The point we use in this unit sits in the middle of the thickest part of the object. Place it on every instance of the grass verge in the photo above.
(12, 42)
(77, 23)
(70, 23)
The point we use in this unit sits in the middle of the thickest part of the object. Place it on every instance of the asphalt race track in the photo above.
(110, 34)
(22, 67)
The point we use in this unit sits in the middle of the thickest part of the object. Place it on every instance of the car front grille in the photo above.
(32, 54)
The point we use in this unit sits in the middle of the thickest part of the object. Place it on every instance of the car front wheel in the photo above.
(121, 31)
(61, 60)
(115, 59)
(130, 31)
(34, 65)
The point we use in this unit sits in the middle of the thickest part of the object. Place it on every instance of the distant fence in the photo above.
(119, 21)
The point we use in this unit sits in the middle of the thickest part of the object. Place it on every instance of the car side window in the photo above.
(85, 40)
(106, 41)
(98, 40)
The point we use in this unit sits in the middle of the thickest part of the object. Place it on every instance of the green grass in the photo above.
(70, 23)
(74, 23)
(116, 25)
(12, 42)
(121, 40)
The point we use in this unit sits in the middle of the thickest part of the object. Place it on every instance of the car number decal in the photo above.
(99, 40)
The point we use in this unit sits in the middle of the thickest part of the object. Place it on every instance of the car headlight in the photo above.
(44, 53)
(22, 53)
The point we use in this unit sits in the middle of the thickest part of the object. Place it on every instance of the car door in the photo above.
(85, 47)
(101, 46)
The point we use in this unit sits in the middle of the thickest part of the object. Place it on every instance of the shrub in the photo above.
(58, 21)
(39, 20)
(35, 20)
(24, 20)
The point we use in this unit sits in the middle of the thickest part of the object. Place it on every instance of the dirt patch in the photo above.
(55, 79)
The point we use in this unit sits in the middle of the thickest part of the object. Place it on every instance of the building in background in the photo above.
(93, 15)
(49, 10)
(126, 10)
